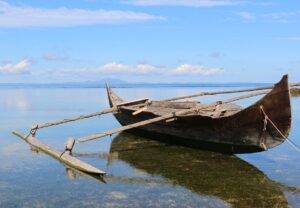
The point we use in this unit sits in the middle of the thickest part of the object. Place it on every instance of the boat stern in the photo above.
(270, 117)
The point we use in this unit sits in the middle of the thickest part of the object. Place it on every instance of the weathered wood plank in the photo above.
(65, 158)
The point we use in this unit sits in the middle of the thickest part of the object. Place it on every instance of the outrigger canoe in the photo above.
(226, 127)
(221, 126)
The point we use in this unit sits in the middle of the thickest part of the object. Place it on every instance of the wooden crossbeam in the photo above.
(139, 111)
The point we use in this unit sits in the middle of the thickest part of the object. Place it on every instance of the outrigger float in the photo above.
(220, 126)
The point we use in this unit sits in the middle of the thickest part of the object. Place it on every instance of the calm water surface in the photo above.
(141, 172)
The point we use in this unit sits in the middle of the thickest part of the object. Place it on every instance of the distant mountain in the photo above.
(117, 83)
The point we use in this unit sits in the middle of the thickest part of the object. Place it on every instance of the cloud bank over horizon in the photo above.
(118, 69)
(110, 69)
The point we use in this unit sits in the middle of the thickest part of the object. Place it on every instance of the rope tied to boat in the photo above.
(266, 119)
(265, 123)
(34, 129)
(69, 146)
(263, 134)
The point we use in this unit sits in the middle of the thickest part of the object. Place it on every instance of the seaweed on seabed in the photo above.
(206, 173)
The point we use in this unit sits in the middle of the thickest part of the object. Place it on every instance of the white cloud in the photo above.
(196, 69)
(25, 16)
(280, 17)
(247, 16)
(187, 3)
(17, 68)
(115, 67)
(147, 68)
(120, 69)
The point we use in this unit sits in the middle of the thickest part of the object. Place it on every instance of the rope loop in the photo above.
(34, 129)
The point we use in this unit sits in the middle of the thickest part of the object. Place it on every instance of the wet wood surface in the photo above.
(65, 158)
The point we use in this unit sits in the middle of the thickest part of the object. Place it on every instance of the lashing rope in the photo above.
(265, 123)
(296, 147)
(32, 131)
(263, 135)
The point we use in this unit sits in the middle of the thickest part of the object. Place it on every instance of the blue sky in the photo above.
(149, 40)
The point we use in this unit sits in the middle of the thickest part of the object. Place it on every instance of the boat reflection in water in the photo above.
(226, 177)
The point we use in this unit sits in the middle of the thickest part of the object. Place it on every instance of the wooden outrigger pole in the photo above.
(68, 120)
(64, 157)
(139, 102)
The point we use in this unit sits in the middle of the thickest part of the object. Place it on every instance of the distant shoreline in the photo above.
(295, 92)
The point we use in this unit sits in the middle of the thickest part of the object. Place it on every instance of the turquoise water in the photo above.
(141, 172)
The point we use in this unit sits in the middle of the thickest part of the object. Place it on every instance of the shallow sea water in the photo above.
(140, 172)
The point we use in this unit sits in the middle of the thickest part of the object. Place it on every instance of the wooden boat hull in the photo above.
(241, 132)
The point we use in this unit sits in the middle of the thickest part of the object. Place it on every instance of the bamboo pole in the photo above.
(247, 96)
(67, 120)
(165, 117)
(226, 92)
(140, 102)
